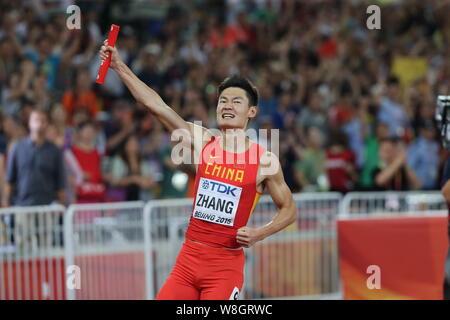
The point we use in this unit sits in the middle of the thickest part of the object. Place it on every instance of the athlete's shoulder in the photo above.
(200, 134)
(269, 164)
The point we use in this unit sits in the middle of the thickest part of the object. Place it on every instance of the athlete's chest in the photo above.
(221, 191)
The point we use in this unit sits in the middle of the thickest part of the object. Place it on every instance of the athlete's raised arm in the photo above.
(144, 94)
(281, 196)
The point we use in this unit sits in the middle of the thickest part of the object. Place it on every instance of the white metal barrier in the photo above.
(31, 250)
(389, 202)
(127, 250)
(105, 241)
(298, 261)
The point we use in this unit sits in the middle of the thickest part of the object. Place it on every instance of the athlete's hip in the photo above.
(196, 247)
(197, 263)
(212, 235)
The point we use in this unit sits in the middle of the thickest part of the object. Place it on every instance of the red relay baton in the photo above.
(103, 71)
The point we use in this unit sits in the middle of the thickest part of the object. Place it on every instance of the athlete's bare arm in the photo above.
(445, 190)
(148, 97)
(281, 196)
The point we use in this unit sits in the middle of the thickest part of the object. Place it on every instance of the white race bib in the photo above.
(216, 202)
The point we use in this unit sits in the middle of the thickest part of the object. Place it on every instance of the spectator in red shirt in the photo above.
(223, 35)
(91, 189)
(244, 31)
(344, 111)
(340, 163)
(329, 48)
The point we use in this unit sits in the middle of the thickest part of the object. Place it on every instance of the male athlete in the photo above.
(231, 174)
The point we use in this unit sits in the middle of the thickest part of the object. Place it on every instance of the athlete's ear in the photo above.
(252, 111)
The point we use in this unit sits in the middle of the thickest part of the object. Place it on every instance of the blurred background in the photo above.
(355, 109)
(332, 87)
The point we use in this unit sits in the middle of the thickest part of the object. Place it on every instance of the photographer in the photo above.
(446, 192)
(443, 117)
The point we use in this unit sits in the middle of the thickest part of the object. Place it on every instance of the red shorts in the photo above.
(202, 272)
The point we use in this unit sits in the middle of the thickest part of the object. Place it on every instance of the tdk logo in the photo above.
(205, 184)
(221, 188)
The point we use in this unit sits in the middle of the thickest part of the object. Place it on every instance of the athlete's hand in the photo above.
(248, 236)
(115, 58)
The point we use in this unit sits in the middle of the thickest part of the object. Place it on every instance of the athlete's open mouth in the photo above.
(228, 115)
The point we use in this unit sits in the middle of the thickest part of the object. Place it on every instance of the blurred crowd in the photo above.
(355, 107)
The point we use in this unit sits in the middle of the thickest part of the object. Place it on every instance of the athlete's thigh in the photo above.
(223, 289)
(176, 289)
(224, 279)
(181, 283)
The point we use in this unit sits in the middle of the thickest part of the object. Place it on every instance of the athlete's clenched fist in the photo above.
(247, 236)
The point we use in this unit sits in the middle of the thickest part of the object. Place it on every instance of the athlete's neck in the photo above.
(234, 140)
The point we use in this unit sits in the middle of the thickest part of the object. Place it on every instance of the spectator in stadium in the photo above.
(355, 125)
(285, 113)
(45, 59)
(423, 156)
(340, 163)
(148, 67)
(82, 96)
(79, 116)
(323, 63)
(268, 101)
(58, 131)
(393, 172)
(90, 189)
(310, 170)
(119, 126)
(39, 94)
(392, 111)
(129, 175)
(175, 182)
(3, 146)
(13, 130)
(371, 156)
(222, 35)
(312, 116)
(9, 59)
(35, 168)
(343, 111)
(16, 88)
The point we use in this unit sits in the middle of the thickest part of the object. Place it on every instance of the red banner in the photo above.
(408, 252)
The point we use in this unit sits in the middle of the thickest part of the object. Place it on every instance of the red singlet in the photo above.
(225, 194)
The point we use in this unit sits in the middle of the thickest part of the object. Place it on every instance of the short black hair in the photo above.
(84, 124)
(392, 80)
(243, 83)
(338, 137)
(392, 139)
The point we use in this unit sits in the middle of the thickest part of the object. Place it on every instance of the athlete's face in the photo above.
(233, 109)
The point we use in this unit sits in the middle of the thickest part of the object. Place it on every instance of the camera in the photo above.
(442, 117)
